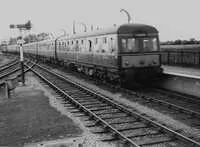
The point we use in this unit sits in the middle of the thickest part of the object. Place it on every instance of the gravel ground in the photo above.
(27, 117)
(128, 101)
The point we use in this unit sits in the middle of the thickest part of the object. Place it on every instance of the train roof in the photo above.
(121, 29)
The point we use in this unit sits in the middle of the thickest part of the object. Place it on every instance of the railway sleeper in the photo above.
(106, 116)
(89, 106)
(100, 108)
(86, 100)
(89, 103)
(151, 140)
(103, 112)
(99, 130)
(141, 134)
(110, 109)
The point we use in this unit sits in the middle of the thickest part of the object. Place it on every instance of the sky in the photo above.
(174, 19)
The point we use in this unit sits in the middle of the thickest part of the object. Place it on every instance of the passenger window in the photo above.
(124, 44)
(90, 45)
(112, 45)
(105, 40)
(81, 41)
(131, 45)
(96, 40)
(103, 51)
(150, 44)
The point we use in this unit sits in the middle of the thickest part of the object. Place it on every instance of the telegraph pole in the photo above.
(20, 42)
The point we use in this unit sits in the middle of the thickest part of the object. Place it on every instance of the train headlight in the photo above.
(155, 61)
(126, 63)
(142, 62)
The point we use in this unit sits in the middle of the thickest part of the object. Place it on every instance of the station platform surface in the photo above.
(182, 71)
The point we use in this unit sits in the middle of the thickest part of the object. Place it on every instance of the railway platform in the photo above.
(181, 79)
(187, 72)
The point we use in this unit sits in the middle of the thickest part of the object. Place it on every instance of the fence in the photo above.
(181, 58)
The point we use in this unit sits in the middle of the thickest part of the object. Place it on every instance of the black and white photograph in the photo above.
(100, 73)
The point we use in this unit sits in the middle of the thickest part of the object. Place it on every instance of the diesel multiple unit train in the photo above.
(129, 52)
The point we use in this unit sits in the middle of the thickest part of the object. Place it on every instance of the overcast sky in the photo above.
(175, 19)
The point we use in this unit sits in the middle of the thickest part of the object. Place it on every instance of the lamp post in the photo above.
(20, 42)
(128, 15)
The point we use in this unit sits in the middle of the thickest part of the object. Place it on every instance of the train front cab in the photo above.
(139, 56)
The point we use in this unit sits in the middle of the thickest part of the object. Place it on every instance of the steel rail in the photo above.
(14, 71)
(176, 107)
(134, 114)
(180, 108)
(178, 94)
(90, 113)
(9, 73)
(7, 64)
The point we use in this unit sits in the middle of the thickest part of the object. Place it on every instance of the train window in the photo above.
(90, 45)
(76, 41)
(111, 39)
(124, 44)
(67, 42)
(150, 44)
(132, 45)
(112, 45)
(96, 40)
(81, 41)
(139, 44)
(105, 40)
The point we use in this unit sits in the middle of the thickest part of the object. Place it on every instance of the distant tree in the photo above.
(12, 41)
(30, 38)
(177, 42)
(43, 36)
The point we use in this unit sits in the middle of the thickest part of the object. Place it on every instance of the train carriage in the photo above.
(129, 52)
(139, 54)
(14, 49)
(30, 49)
(45, 49)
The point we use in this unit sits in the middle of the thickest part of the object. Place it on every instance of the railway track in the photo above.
(7, 65)
(130, 127)
(186, 102)
(187, 112)
(13, 69)
(181, 107)
(168, 102)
